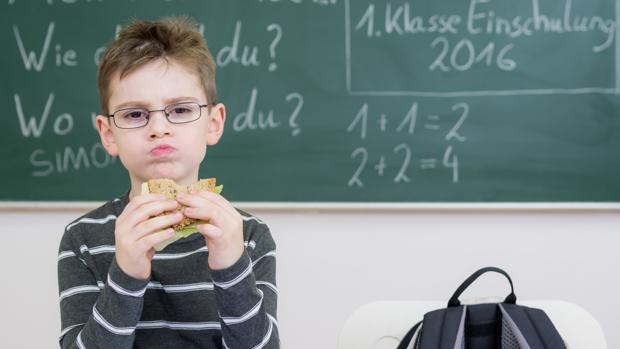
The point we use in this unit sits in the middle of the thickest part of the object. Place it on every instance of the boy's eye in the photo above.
(180, 109)
(134, 114)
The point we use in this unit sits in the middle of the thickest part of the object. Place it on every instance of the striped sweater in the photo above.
(183, 305)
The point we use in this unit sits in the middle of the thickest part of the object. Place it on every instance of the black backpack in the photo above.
(504, 325)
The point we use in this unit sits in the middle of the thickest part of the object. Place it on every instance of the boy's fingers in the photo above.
(190, 200)
(197, 207)
(210, 231)
(148, 210)
(150, 240)
(219, 200)
(204, 213)
(140, 200)
(156, 224)
(203, 199)
(137, 202)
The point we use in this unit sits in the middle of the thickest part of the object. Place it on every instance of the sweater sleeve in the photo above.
(246, 295)
(96, 313)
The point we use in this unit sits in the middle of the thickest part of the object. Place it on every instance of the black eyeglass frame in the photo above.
(148, 114)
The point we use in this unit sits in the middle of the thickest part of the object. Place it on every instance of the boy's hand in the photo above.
(136, 232)
(223, 233)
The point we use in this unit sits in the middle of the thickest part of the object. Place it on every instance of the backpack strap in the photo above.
(404, 343)
(454, 300)
(442, 327)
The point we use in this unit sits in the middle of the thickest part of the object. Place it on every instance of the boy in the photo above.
(215, 289)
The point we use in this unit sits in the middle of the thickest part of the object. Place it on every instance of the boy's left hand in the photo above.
(223, 233)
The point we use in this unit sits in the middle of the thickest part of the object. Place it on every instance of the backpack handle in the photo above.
(454, 300)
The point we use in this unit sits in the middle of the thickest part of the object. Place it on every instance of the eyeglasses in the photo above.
(178, 113)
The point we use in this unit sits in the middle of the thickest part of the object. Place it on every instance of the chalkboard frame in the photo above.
(343, 207)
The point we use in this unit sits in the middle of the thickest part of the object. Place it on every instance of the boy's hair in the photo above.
(142, 42)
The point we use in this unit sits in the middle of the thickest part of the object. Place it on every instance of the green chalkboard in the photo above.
(338, 100)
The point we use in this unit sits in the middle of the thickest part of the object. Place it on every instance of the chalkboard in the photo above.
(429, 101)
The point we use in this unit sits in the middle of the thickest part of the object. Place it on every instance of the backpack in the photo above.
(504, 325)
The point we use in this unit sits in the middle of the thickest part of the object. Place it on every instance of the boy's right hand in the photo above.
(136, 232)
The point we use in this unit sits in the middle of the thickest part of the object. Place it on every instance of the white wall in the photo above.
(329, 263)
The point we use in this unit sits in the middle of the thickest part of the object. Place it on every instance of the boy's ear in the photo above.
(105, 133)
(215, 125)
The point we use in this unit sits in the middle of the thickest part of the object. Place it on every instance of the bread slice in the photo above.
(168, 187)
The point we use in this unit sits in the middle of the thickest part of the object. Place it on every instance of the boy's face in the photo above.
(160, 149)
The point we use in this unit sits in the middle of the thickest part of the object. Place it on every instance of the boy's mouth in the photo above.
(162, 149)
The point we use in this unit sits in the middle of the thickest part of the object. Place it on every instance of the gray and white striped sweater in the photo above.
(183, 305)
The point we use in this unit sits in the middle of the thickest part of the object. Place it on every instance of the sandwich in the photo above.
(167, 187)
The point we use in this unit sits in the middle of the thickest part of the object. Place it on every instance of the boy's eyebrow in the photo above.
(180, 99)
(142, 104)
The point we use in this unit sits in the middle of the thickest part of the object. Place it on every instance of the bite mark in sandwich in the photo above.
(167, 187)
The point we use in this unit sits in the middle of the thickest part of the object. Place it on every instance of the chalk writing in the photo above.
(69, 159)
(32, 61)
(448, 58)
(292, 121)
(470, 36)
(101, 50)
(481, 19)
(231, 53)
(254, 119)
(63, 123)
(401, 161)
(297, 2)
(274, 43)
(402, 158)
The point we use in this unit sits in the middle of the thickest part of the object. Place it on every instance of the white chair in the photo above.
(381, 325)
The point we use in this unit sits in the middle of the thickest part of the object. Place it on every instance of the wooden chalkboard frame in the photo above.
(52, 206)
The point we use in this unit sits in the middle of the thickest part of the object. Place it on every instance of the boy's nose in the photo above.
(158, 124)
